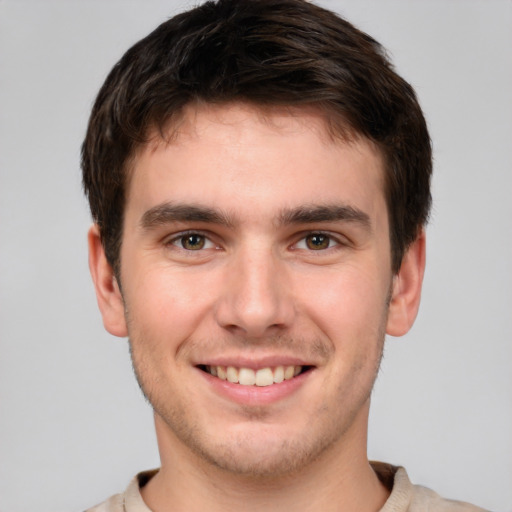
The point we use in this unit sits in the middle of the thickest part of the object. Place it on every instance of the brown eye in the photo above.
(193, 242)
(317, 242)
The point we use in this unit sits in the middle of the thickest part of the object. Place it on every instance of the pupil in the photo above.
(193, 242)
(318, 242)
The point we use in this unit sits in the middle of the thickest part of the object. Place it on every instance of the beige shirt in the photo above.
(404, 497)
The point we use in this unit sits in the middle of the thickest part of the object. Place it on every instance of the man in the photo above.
(259, 177)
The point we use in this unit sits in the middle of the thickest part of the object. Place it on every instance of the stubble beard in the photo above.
(242, 455)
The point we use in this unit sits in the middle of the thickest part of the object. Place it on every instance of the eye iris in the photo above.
(192, 242)
(317, 241)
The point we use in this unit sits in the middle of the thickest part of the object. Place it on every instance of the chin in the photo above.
(260, 460)
(258, 451)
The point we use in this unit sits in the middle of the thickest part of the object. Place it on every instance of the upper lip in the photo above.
(254, 362)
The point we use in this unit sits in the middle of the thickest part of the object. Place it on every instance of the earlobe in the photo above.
(108, 294)
(406, 290)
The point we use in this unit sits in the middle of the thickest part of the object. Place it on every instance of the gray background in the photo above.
(73, 425)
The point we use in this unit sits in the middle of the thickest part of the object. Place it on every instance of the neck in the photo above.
(339, 479)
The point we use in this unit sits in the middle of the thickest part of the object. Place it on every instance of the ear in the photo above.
(108, 294)
(406, 291)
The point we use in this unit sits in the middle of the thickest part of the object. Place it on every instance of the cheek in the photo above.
(167, 303)
(347, 301)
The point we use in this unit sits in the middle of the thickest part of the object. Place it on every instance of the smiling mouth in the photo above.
(249, 377)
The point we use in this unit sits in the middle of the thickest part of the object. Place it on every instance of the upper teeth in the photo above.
(250, 377)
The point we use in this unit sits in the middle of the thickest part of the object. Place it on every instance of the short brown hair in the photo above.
(265, 52)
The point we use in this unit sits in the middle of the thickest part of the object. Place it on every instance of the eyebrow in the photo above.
(325, 213)
(169, 212)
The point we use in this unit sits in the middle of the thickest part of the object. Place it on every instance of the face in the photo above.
(256, 287)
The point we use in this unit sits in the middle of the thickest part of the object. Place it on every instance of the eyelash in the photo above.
(332, 241)
(179, 239)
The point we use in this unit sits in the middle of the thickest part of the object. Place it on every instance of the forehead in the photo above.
(241, 155)
(200, 120)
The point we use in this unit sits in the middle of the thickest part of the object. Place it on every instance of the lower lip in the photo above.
(255, 395)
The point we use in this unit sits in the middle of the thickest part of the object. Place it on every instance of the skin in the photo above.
(267, 278)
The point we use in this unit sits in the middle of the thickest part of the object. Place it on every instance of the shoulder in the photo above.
(426, 499)
(407, 497)
(113, 504)
(130, 500)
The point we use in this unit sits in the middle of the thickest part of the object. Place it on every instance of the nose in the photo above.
(256, 296)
